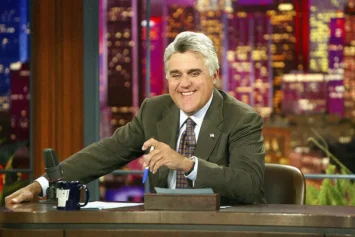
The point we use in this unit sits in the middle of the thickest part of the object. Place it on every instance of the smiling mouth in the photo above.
(187, 93)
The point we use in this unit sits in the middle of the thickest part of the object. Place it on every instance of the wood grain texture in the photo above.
(57, 75)
(244, 215)
(31, 233)
(252, 220)
(182, 233)
(208, 202)
(242, 220)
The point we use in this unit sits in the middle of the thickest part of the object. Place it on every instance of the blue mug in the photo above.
(68, 195)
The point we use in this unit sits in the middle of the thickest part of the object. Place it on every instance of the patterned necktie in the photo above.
(187, 147)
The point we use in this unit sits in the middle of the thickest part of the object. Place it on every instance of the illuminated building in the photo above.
(335, 98)
(105, 112)
(14, 32)
(283, 46)
(157, 74)
(304, 93)
(335, 94)
(119, 45)
(20, 101)
(261, 66)
(210, 14)
(335, 44)
(14, 50)
(255, 2)
(247, 66)
(239, 53)
(249, 78)
(349, 61)
(123, 71)
(321, 12)
(180, 17)
(123, 37)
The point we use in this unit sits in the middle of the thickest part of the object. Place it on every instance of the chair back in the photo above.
(284, 184)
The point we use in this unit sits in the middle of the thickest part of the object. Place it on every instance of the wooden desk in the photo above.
(35, 219)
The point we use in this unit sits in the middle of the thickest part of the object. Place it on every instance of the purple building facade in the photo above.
(321, 13)
(304, 93)
(349, 61)
(335, 98)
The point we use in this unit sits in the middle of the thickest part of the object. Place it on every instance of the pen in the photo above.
(146, 170)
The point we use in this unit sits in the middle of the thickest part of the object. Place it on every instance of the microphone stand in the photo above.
(330, 155)
(51, 194)
(54, 174)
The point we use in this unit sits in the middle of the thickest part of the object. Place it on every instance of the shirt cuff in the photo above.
(44, 184)
(193, 174)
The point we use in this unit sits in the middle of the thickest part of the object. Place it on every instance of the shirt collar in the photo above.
(196, 117)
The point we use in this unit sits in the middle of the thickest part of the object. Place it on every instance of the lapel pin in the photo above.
(211, 135)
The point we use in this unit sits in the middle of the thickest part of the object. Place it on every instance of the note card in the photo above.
(180, 191)
(98, 205)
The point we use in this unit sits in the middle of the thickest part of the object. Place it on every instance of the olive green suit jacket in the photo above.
(229, 149)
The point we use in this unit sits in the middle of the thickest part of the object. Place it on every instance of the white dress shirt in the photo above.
(197, 118)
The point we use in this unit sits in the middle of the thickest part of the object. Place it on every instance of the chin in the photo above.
(189, 111)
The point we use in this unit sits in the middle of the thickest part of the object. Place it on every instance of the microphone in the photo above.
(54, 173)
(53, 168)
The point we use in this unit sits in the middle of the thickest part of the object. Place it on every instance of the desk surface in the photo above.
(294, 218)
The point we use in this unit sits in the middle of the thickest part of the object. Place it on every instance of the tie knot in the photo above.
(190, 124)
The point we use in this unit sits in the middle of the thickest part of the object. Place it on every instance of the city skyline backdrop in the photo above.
(284, 57)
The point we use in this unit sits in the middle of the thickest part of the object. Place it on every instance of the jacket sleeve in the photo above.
(240, 181)
(104, 156)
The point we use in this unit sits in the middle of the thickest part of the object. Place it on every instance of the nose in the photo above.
(185, 81)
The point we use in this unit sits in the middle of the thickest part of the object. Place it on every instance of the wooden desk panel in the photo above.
(263, 220)
(181, 233)
(31, 233)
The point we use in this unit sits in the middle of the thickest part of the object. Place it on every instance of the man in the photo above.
(223, 137)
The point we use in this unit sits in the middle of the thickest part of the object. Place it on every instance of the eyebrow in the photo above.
(174, 71)
(194, 70)
(188, 72)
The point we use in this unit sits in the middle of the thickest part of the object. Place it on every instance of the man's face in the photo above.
(190, 84)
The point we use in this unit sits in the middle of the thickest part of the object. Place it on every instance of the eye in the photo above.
(195, 73)
(175, 75)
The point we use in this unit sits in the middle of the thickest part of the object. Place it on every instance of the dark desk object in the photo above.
(183, 202)
(38, 220)
(284, 184)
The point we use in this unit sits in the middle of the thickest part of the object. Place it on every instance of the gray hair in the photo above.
(195, 42)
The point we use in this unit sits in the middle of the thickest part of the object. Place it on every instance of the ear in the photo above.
(215, 77)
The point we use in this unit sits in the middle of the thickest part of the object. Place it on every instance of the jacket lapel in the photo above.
(210, 132)
(168, 129)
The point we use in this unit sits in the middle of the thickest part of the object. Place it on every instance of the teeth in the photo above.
(187, 93)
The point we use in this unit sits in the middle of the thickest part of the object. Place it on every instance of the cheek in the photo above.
(172, 86)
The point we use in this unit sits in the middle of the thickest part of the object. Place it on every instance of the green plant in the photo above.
(332, 191)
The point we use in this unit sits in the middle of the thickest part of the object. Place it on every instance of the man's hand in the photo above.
(27, 193)
(163, 155)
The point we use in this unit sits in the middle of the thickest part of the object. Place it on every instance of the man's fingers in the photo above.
(18, 197)
(149, 143)
(147, 158)
(24, 196)
(154, 163)
(27, 193)
(10, 199)
(161, 155)
(158, 164)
